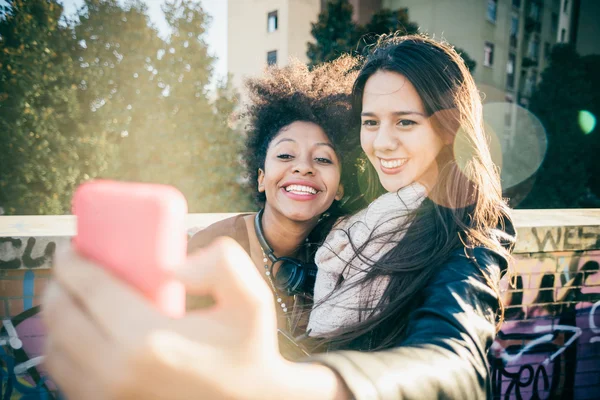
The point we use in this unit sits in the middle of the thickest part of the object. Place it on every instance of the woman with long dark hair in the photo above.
(410, 284)
(422, 131)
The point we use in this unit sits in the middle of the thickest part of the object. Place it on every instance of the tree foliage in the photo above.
(564, 90)
(335, 32)
(45, 150)
(105, 95)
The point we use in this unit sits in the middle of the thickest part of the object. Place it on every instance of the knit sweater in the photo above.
(373, 232)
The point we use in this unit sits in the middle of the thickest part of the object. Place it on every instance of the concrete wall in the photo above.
(549, 347)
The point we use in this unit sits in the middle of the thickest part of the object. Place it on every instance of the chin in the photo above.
(301, 216)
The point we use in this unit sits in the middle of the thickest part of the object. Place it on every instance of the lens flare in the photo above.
(587, 121)
(519, 138)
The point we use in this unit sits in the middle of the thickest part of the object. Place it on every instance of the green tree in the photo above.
(469, 62)
(335, 33)
(382, 22)
(150, 95)
(197, 143)
(563, 92)
(46, 153)
(591, 66)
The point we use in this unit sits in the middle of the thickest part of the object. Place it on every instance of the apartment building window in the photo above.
(566, 6)
(554, 22)
(488, 54)
(530, 83)
(516, 3)
(534, 11)
(510, 71)
(534, 48)
(547, 50)
(491, 10)
(272, 21)
(514, 30)
(563, 34)
(272, 57)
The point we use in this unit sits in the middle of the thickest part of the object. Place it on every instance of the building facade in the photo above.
(262, 32)
(509, 39)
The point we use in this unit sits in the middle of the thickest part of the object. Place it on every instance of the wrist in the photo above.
(309, 381)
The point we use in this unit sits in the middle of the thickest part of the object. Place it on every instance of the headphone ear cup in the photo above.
(295, 276)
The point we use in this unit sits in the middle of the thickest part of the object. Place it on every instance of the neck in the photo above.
(284, 235)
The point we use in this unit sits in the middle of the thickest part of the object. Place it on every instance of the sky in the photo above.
(216, 36)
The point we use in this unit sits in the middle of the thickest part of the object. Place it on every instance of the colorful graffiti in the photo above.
(549, 347)
(21, 372)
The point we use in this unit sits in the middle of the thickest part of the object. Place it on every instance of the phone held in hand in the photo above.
(137, 231)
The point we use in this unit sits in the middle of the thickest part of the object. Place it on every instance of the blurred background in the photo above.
(152, 90)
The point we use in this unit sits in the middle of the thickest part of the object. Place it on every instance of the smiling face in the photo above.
(301, 177)
(396, 134)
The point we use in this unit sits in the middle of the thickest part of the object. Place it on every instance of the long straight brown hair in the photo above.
(465, 207)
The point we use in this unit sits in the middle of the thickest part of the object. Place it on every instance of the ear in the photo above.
(340, 192)
(261, 179)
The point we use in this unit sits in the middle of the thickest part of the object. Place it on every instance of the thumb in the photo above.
(224, 271)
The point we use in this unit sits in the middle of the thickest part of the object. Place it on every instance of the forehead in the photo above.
(302, 132)
(390, 91)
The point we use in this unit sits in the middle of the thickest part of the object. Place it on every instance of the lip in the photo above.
(392, 171)
(300, 197)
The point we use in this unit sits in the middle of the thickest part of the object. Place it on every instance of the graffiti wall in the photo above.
(24, 273)
(548, 347)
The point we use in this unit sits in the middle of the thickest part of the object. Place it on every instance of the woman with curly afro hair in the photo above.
(300, 155)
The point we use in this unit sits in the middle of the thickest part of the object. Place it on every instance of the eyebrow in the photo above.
(396, 113)
(284, 140)
(293, 141)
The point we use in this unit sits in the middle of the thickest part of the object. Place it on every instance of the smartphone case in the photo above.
(138, 232)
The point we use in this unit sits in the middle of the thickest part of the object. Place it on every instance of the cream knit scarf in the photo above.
(333, 309)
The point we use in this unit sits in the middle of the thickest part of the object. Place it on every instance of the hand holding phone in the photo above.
(137, 231)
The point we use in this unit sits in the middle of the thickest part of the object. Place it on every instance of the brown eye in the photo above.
(406, 122)
(323, 160)
(369, 122)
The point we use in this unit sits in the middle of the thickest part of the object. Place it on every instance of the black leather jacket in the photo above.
(443, 355)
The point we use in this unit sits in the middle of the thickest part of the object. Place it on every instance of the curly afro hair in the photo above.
(295, 93)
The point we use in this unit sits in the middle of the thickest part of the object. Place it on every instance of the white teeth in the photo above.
(301, 189)
(393, 163)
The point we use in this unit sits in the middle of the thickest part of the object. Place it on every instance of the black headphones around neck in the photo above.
(294, 276)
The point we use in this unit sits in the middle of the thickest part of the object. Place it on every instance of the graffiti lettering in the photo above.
(14, 262)
(39, 261)
(14, 256)
(565, 238)
(548, 237)
(592, 322)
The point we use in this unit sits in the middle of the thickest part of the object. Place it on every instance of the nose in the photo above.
(304, 166)
(386, 139)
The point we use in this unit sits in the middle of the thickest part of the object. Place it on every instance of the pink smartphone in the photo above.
(138, 232)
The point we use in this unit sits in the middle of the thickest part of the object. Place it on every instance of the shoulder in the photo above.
(479, 262)
(234, 227)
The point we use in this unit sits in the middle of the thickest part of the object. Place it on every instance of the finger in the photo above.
(111, 303)
(73, 331)
(72, 379)
(224, 271)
